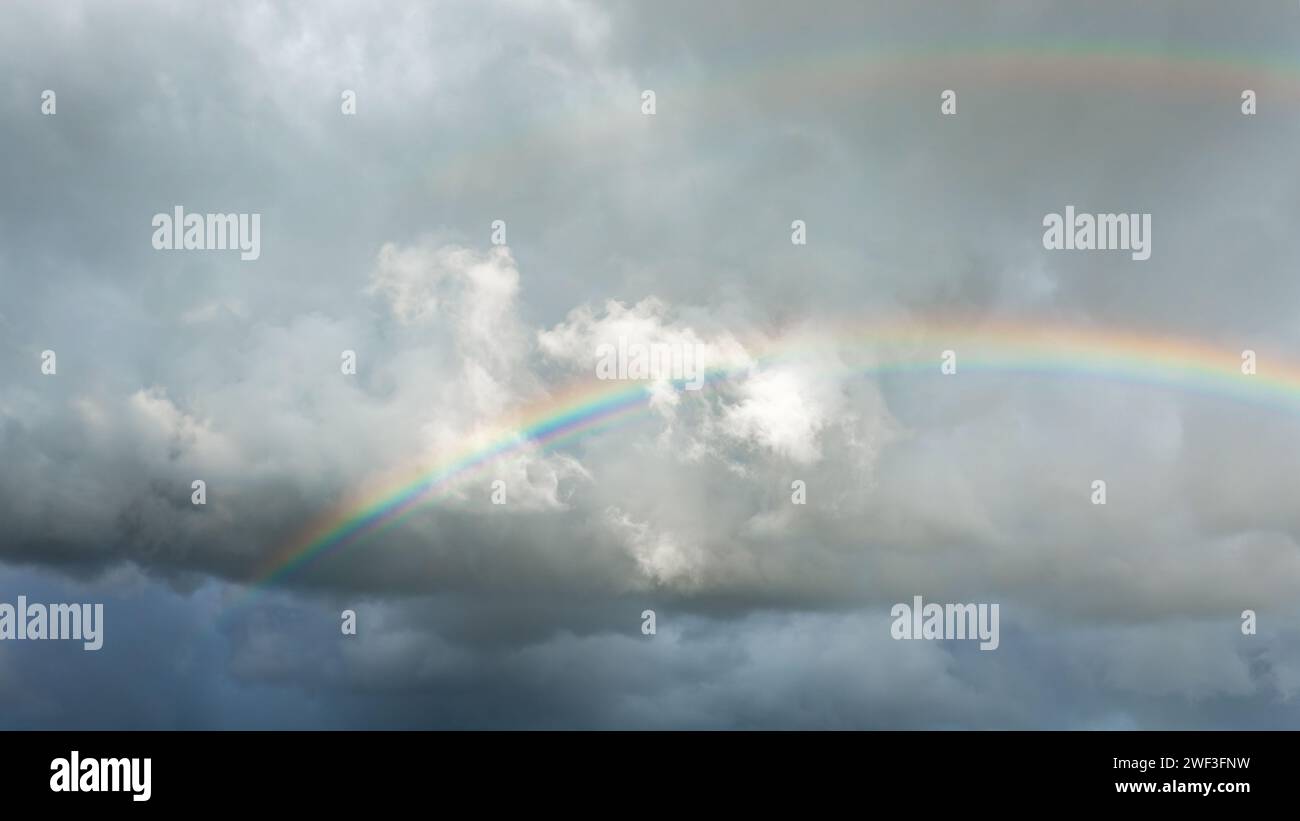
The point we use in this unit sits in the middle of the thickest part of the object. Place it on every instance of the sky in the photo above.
(924, 233)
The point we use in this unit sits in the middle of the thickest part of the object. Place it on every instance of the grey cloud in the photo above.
(176, 366)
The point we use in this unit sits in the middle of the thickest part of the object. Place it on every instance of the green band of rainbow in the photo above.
(885, 348)
(339, 528)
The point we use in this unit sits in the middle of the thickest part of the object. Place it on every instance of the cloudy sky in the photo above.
(666, 228)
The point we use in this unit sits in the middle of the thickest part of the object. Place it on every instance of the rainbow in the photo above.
(873, 349)
(551, 424)
(856, 66)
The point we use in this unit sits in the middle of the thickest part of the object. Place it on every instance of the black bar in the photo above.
(332, 770)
